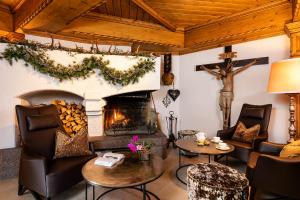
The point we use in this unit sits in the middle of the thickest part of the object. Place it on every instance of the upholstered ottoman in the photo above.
(216, 182)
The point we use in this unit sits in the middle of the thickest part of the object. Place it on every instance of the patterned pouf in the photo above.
(216, 182)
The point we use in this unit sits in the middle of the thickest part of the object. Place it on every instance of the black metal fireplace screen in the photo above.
(129, 114)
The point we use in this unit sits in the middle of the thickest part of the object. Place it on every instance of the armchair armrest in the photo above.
(91, 147)
(32, 172)
(270, 148)
(258, 139)
(226, 134)
(278, 175)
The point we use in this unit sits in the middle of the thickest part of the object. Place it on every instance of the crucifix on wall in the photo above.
(225, 71)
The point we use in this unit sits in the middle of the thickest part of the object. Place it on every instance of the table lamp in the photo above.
(285, 79)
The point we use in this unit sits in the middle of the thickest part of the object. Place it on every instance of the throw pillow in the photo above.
(244, 134)
(291, 150)
(38, 122)
(67, 146)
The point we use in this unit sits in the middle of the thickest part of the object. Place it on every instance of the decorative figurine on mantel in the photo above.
(226, 73)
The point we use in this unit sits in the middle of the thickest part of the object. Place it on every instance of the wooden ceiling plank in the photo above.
(109, 27)
(154, 14)
(117, 7)
(146, 17)
(228, 2)
(193, 11)
(125, 7)
(133, 10)
(140, 14)
(31, 17)
(244, 13)
(102, 9)
(110, 8)
(268, 21)
(186, 17)
(210, 5)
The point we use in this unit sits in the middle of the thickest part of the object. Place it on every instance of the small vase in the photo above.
(144, 156)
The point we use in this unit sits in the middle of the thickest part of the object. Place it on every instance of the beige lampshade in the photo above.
(285, 76)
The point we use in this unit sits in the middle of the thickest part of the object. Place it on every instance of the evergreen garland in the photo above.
(40, 61)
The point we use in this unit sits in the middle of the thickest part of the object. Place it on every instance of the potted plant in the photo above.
(142, 148)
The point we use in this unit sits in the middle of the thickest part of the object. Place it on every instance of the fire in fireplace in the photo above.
(117, 120)
(129, 113)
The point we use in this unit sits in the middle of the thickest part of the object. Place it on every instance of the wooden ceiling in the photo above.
(188, 13)
(125, 9)
(179, 26)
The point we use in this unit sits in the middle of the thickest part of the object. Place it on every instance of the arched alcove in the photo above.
(37, 97)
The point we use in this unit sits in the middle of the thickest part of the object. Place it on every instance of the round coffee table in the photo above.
(190, 145)
(129, 174)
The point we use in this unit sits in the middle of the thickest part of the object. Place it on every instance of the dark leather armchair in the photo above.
(39, 172)
(250, 115)
(272, 177)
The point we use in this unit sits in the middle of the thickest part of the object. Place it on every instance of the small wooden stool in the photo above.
(216, 181)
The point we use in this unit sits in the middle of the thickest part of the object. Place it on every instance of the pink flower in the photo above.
(132, 147)
(139, 147)
(135, 138)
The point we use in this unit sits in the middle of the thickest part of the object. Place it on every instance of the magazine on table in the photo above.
(109, 159)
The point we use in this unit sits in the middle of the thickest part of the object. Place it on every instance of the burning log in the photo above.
(72, 116)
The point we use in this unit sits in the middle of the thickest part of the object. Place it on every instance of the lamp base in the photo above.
(292, 128)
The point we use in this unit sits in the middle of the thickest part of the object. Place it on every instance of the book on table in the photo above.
(109, 159)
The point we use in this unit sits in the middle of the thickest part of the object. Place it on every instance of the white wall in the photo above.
(196, 107)
(200, 91)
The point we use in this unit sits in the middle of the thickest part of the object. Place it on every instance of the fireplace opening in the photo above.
(128, 114)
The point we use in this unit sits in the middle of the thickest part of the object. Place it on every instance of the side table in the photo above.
(132, 174)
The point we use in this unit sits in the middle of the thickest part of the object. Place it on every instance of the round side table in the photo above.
(132, 174)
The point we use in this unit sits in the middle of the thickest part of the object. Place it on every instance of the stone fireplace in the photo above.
(128, 114)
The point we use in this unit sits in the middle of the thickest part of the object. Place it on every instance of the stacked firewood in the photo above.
(72, 115)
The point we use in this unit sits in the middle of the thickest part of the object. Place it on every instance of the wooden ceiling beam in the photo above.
(6, 22)
(296, 10)
(27, 11)
(267, 21)
(154, 14)
(293, 30)
(88, 39)
(150, 48)
(51, 15)
(99, 25)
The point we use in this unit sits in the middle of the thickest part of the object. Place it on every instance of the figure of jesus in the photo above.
(226, 93)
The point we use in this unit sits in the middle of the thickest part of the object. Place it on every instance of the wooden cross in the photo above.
(226, 73)
(228, 55)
